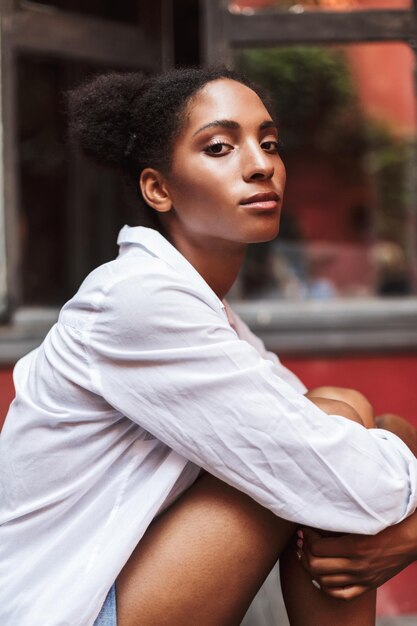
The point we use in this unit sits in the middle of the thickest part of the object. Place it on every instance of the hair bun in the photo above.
(101, 115)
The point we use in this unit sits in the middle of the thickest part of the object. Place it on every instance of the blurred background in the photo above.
(336, 293)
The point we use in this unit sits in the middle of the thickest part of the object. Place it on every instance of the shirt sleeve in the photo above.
(245, 333)
(168, 360)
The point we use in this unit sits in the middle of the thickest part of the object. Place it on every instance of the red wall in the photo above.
(6, 392)
(390, 381)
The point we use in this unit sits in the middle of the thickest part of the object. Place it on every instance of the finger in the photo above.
(341, 546)
(317, 568)
(310, 534)
(323, 566)
(331, 582)
(346, 593)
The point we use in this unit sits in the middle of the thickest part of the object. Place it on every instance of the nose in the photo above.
(258, 164)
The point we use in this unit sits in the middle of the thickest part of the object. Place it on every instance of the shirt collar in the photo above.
(159, 246)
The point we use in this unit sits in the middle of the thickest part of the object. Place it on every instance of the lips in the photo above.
(262, 201)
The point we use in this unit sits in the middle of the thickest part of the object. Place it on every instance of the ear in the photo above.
(154, 190)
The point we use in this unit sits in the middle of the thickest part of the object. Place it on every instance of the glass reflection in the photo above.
(348, 127)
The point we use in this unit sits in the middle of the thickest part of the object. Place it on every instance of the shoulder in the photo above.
(151, 283)
(144, 302)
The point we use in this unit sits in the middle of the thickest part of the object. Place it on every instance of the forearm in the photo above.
(348, 565)
(367, 561)
(404, 539)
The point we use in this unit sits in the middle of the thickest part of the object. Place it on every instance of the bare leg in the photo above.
(400, 427)
(351, 397)
(201, 562)
(204, 560)
(308, 606)
(304, 602)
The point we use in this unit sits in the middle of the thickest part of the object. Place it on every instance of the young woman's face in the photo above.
(227, 179)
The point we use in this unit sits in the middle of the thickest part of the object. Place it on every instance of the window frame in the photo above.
(39, 29)
(317, 327)
(308, 327)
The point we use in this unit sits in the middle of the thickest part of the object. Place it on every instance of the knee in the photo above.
(400, 427)
(354, 398)
(336, 407)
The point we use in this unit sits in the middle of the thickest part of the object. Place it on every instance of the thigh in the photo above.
(202, 561)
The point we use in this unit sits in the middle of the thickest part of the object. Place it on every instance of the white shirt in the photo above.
(141, 382)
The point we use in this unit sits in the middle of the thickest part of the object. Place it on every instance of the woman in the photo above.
(148, 377)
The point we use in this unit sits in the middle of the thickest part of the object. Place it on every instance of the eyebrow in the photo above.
(232, 125)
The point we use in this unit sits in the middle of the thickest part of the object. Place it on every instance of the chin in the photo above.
(264, 234)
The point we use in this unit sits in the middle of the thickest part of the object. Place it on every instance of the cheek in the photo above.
(200, 188)
(281, 173)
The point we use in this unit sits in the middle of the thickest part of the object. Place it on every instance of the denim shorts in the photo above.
(108, 615)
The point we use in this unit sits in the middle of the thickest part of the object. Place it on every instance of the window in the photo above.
(117, 11)
(58, 214)
(69, 212)
(348, 128)
(341, 276)
(54, 201)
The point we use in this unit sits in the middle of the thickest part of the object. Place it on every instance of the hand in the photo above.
(346, 566)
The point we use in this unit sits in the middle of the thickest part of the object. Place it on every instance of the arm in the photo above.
(246, 334)
(348, 565)
(168, 359)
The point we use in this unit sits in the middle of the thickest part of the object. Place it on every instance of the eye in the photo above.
(272, 146)
(218, 148)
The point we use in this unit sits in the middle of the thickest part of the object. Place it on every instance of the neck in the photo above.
(218, 262)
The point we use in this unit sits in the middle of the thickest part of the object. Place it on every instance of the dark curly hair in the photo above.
(129, 121)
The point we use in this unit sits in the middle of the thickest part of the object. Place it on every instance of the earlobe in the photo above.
(154, 190)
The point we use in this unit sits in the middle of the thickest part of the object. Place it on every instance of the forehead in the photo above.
(226, 99)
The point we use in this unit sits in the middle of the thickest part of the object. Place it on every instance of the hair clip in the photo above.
(130, 144)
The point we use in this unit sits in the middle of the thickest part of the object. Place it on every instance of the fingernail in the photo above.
(300, 543)
(316, 584)
(298, 555)
(300, 533)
